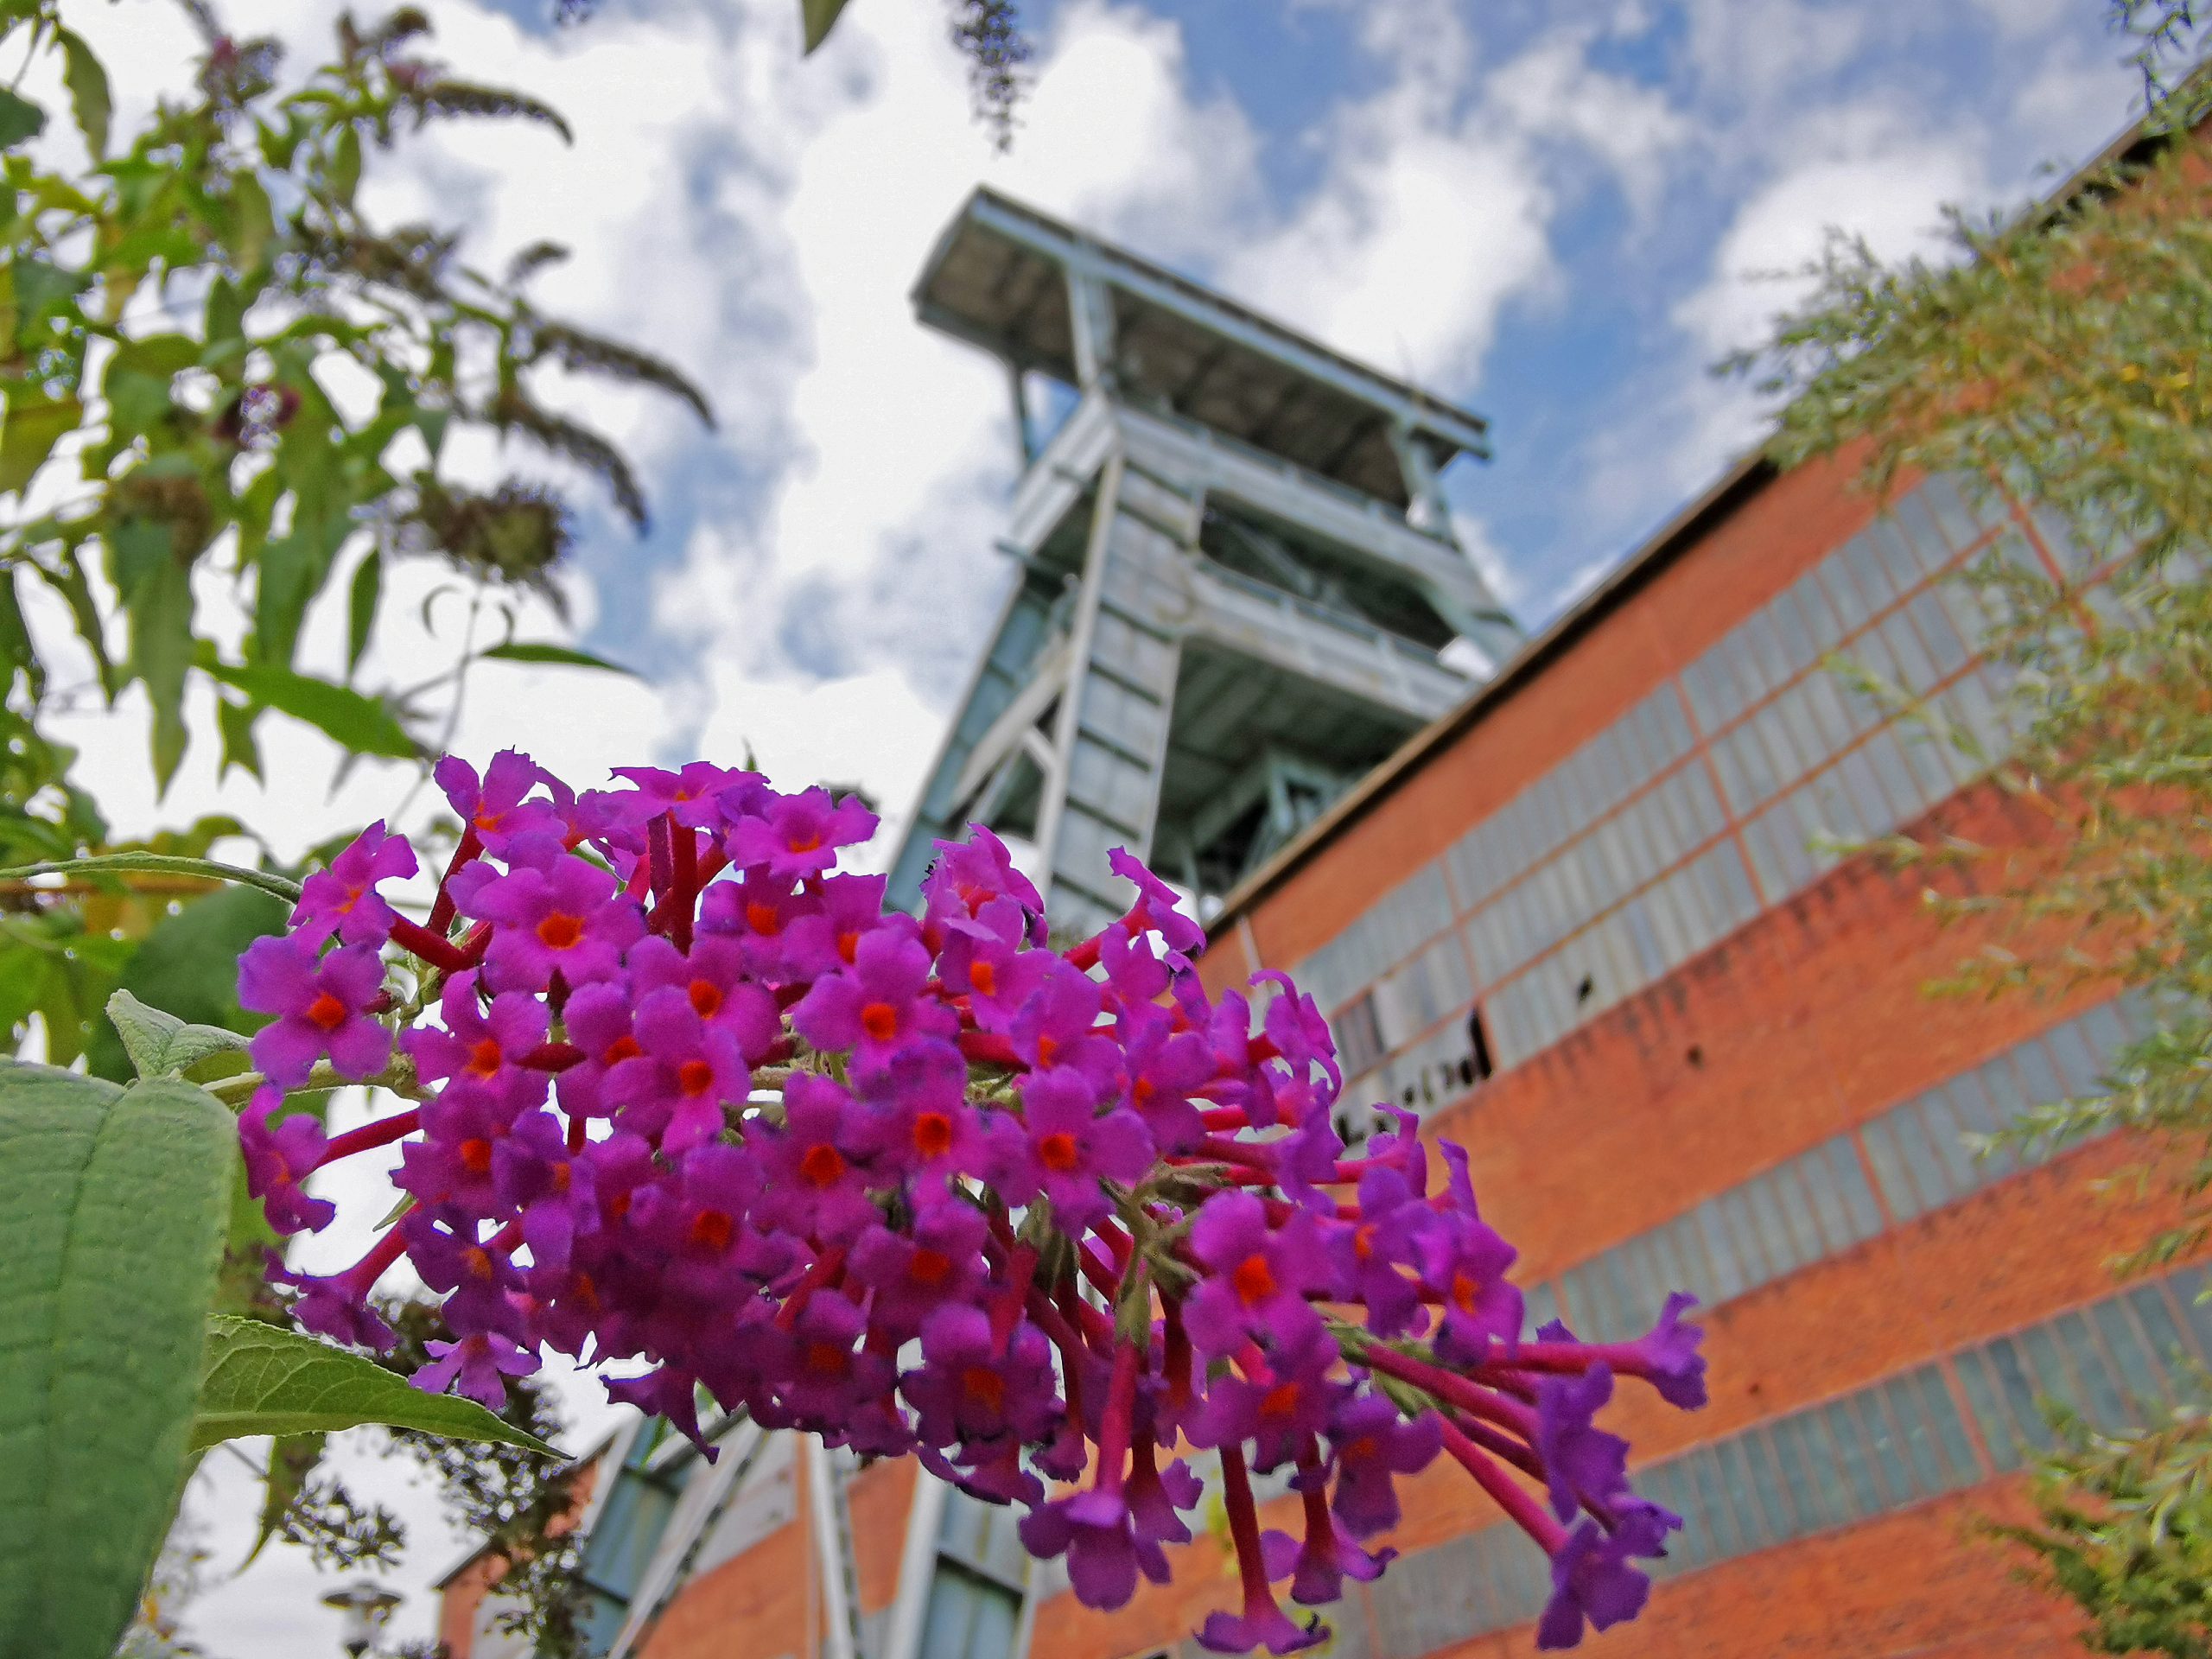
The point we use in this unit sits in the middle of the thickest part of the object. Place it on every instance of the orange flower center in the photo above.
(476, 1156)
(1280, 1400)
(706, 998)
(984, 1386)
(1464, 1292)
(806, 843)
(478, 1261)
(880, 1021)
(983, 976)
(1253, 1279)
(695, 1077)
(848, 945)
(823, 1165)
(560, 931)
(1361, 1448)
(624, 1047)
(327, 1012)
(763, 918)
(1362, 1241)
(1057, 1151)
(1047, 1046)
(483, 1058)
(932, 1133)
(930, 1266)
(711, 1229)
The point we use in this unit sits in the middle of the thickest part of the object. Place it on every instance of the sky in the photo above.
(1559, 216)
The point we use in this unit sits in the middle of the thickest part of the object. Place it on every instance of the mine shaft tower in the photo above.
(1236, 577)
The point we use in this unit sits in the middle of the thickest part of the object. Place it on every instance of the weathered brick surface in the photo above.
(1922, 1582)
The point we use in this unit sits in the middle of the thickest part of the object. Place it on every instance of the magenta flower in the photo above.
(918, 1120)
(1158, 909)
(985, 960)
(968, 1390)
(711, 975)
(1581, 1461)
(1386, 1244)
(966, 875)
(826, 923)
(877, 1005)
(1166, 1067)
(1668, 1355)
(686, 1075)
(451, 1165)
(799, 835)
(1318, 1565)
(744, 1130)
(699, 796)
(1464, 1261)
(1300, 1035)
(1372, 1443)
(547, 1185)
(321, 1008)
(343, 899)
(334, 1306)
(495, 807)
(816, 1164)
(1068, 1147)
(1258, 1279)
(279, 1155)
(598, 1019)
(1591, 1581)
(939, 1265)
(1280, 1411)
(478, 1366)
(829, 1382)
(566, 919)
(1095, 1531)
(480, 1051)
(1055, 1028)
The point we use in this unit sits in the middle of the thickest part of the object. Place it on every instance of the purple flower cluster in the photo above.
(688, 1101)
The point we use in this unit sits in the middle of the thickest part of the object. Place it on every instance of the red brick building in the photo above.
(1588, 925)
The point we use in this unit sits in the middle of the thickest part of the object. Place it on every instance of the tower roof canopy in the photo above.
(998, 279)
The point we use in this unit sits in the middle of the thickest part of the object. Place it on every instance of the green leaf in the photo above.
(20, 118)
(17, 654)
(112, 1206)
(28, 438)
(361, 607)
(360, 723)
(816, 18)
(234, 723)
(264, 1381)
(532, 651)
(160, 603)
(225, 317)
(160, 1044)
(187, 965)
(345, 177)
(88, 93)
(292, 1458)
(251, 224)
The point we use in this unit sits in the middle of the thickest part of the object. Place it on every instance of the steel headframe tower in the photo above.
(1235, 578)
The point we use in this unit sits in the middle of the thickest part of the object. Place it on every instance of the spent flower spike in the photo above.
(690, 1105)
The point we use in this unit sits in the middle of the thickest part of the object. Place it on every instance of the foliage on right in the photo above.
(2060, 359)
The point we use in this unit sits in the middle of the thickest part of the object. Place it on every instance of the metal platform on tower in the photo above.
(1236, 586)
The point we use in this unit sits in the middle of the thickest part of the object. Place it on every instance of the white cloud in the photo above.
(1893, 197)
